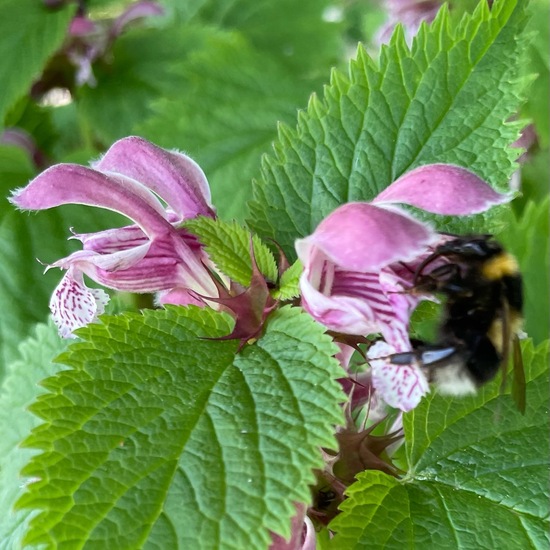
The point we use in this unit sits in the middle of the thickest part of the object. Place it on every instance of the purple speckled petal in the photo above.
(361, 237)
(442, 189)
(401, 386)
(74, 305)
(175, 177)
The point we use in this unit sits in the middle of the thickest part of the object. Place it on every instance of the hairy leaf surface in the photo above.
(29, 35)
(159, 437)
(447, 99)
(228, 246)
(477, 475)
(19, 389)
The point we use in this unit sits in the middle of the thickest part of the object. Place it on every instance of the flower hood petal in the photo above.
(173, 176)
(71, 183)
(363, 237)
(442, 189)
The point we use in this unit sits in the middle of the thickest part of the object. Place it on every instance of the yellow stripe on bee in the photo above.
(496, 335)
(496, 330)
(500, 266)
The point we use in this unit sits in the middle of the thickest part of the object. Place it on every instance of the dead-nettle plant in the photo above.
(357, 265)
(273, 395)
(354, 272)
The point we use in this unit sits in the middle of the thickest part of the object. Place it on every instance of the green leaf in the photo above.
(228, 245)
(535, 174)
(527, 236)
(264, 63)
(445, 100)
(225, 115)
(19, 389)
(183, 12)
(140, 69)
(425, 320)
(477, 475)
(537, 61)
(112, 8)
(290, 280)
(376, 510)
(70, 136)
(161, 438)
(16, 168)
(297, 33)
(29, 35)
(37, 121)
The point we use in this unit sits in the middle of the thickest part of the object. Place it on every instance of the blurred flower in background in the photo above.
(410, 14)
(87, 42)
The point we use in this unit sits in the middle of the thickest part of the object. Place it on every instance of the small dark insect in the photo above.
(482, 316)
(325, 498)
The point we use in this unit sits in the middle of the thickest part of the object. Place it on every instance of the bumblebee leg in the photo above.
(427, 357)
(443, 364)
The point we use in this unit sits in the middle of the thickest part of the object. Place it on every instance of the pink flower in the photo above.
(90, 41)
(17, 137)
(363, 256)
(302, 535)
(410, 13)
(153, 255)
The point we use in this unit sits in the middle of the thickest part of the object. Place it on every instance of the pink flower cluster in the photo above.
(90, 40)
(358, 264)
(363, 256)
(154, 254)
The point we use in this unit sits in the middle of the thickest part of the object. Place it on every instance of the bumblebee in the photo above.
(482, 287)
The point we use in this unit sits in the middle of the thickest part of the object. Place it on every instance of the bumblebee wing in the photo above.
(518, 380)
(518, 373)
(505, 324)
